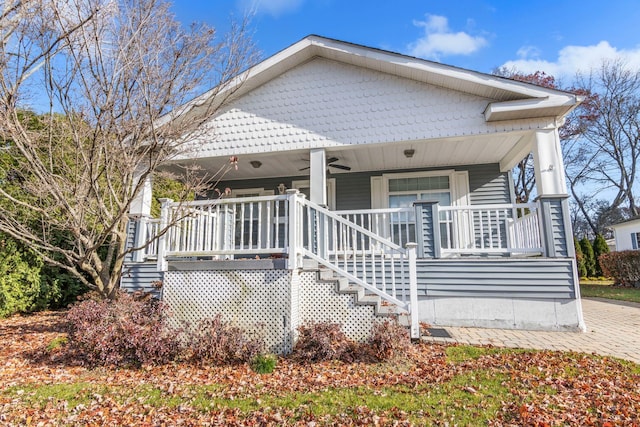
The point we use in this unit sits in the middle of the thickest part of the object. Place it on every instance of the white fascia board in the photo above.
(447, 72)
(535, 107)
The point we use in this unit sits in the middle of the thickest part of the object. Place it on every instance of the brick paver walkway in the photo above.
(613, 329)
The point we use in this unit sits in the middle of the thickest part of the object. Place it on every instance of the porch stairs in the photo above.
(361, 297)
(375, 270)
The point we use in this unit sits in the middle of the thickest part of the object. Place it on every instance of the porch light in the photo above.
(409, 153)
(255, 163)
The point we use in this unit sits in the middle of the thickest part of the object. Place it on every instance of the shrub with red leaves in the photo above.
(127, 331)
(219, 342)
(318, 341)
(389, 339)
(623, 266)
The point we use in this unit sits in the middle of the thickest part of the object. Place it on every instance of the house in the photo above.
(370, 183)
(627, 234)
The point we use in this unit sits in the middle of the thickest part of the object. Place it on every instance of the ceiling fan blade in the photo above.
(304, 169)
(344, 168)
(332, 159)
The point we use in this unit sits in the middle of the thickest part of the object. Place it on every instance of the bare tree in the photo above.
(614, 135)
(574, 151)
(118, 78)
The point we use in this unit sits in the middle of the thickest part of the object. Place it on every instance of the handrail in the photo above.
(490, 228)
(395, 224)
(349, 249)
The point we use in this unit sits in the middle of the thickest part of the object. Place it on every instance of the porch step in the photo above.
(381, 308)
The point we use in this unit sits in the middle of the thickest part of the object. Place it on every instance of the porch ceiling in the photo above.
(379, 157)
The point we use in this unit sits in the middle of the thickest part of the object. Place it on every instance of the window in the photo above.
(635, 240)
(406, 190)
(250, 219)
(448, 187)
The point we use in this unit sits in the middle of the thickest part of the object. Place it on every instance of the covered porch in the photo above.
(458, 218)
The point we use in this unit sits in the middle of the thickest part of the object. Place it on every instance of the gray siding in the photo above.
(496, 278)
(353, 190)
(142, 276)
(131, 237)
(425, 231)
(559, 234)
(139, 276)
(487, 184)
(530, 278)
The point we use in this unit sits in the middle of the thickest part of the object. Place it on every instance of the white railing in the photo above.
(501, 228)
(395, 224)
(379, 265)
(146, 239)
(524, 233)
(226, 227)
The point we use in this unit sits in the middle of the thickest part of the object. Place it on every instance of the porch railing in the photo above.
(395, 224)
(146, 238)
(226, 227)
(372, 261)
(486, 229)
(364, 257)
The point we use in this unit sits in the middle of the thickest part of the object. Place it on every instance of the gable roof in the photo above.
(507, 99)
(626, 222)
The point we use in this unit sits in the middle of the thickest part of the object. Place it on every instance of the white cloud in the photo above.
(271, 7)
(438, 40)
(574, 59)
(528, 52)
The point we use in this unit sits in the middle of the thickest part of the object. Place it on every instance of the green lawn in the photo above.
(605, 289)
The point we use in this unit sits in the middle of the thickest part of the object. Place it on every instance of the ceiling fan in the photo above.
(331, 163)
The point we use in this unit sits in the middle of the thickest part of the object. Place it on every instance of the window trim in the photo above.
(241, 192)
(331, 189)
(458, 186)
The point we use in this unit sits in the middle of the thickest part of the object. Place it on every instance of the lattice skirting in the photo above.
(255, 300)
(320, 302)
(269, 302)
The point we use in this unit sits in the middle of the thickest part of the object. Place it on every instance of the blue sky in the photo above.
(558, 37)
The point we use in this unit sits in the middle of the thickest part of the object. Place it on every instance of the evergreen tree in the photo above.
(599, 247)
(589, 257)
(582, 268)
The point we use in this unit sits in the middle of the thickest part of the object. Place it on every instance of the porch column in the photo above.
(427, 229)
(548, 163)
(141, 203)
(318, 176)
(555, 224)
(140, 212)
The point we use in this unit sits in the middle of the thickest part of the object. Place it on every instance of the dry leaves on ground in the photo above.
(543, 388)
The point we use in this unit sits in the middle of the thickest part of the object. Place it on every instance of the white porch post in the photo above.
(140, 208)
(318, 176)
(165, 212)
(413, 291)
(295, 229)
(552, 198)
(141, 204)
(548, 163)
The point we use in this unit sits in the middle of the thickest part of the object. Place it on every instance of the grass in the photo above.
(459, 354)
(426, 403)
(605, 289)
(475, 393)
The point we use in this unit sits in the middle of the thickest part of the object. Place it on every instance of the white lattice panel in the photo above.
(257, 300)
(319, 302)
